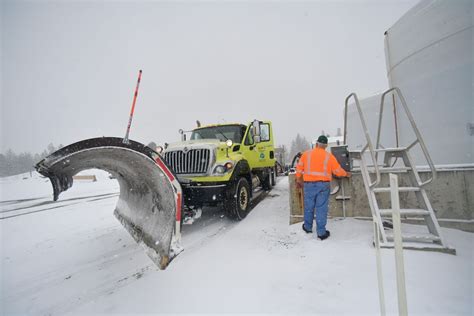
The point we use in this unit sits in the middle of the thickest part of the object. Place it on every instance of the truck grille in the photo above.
(193, 161)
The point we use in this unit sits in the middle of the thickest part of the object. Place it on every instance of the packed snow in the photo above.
(73, 257)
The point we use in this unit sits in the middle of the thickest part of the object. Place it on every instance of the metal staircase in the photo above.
(374, 173)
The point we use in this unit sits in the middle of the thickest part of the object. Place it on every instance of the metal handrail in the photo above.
(367, 137)
(419, 138)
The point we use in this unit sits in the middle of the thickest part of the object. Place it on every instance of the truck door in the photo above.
(265, 146)
(258, 154)
(249, 149)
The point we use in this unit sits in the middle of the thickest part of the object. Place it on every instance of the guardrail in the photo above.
(368, 145)
(419, 138)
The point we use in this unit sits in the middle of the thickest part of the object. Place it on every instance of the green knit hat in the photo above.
(322, 139)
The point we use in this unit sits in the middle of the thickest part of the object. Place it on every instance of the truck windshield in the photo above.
(222, 133)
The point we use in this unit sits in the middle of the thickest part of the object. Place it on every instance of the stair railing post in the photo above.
(379, 267)
(397, 239)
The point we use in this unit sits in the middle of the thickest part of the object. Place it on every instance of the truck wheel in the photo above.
(273, 174)
(267, 182)
(238, 205)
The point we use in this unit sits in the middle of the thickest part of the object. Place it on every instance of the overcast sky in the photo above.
(69, 69)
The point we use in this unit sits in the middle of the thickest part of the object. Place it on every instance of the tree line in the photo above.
(298, 144)
(12, 163)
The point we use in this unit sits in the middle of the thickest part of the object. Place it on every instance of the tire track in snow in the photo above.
(22, 200)
(48, 201)
(81, 200)
(83, 277)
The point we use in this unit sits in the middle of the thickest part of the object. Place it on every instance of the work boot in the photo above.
(328, 233)
(307, 231)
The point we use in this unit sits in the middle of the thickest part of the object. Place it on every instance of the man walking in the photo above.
(314, 172)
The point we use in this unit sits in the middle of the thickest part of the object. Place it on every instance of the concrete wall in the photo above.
(451, 195)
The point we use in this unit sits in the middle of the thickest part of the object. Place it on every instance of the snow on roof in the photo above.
(216, 125)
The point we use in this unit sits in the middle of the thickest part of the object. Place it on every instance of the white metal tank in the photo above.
(429, 56)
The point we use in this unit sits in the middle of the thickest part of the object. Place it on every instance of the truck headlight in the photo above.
(222, 169)
(219, 170)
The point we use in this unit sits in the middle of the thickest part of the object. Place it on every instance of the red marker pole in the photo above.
(125, 140)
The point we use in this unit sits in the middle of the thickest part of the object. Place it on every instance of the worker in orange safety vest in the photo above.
(314, 173)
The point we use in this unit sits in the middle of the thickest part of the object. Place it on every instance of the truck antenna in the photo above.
(125, 140)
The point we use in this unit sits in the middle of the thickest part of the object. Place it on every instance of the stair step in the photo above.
(384, 170)
(405, 212)
(394, 169)
(400, 189)
(396, 149)
(422, 246)
(416, 238)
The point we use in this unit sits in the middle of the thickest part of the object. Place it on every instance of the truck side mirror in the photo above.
(256, 131)
(256, 127)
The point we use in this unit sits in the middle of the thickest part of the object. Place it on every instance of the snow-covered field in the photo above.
(74, 257)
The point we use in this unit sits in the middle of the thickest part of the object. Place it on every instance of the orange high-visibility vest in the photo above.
(318, 165)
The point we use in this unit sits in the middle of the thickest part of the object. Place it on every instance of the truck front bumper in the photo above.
(202, 193)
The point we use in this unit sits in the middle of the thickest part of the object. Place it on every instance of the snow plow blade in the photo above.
(149, 205)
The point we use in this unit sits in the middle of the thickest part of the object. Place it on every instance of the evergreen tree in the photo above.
(12, 164)
(299, 144)
(3, 165)
(51, 148)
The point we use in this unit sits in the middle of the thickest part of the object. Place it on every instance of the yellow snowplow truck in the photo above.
(153, 190)
(223, 164)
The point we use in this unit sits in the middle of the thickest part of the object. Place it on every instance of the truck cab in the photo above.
(223, 164)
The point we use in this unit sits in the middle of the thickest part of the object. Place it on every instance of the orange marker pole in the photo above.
(125, 140)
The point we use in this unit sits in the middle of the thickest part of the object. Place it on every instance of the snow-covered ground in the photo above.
(73, 257)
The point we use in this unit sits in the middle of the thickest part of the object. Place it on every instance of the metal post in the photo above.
(125, 140)
(343, 199)
(379, 268)
(397, 238)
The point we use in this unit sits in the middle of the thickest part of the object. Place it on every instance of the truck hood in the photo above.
(199, 143)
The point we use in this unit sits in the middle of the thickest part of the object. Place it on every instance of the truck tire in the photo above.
(273, 175)
(267, 182)
(237, 207)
